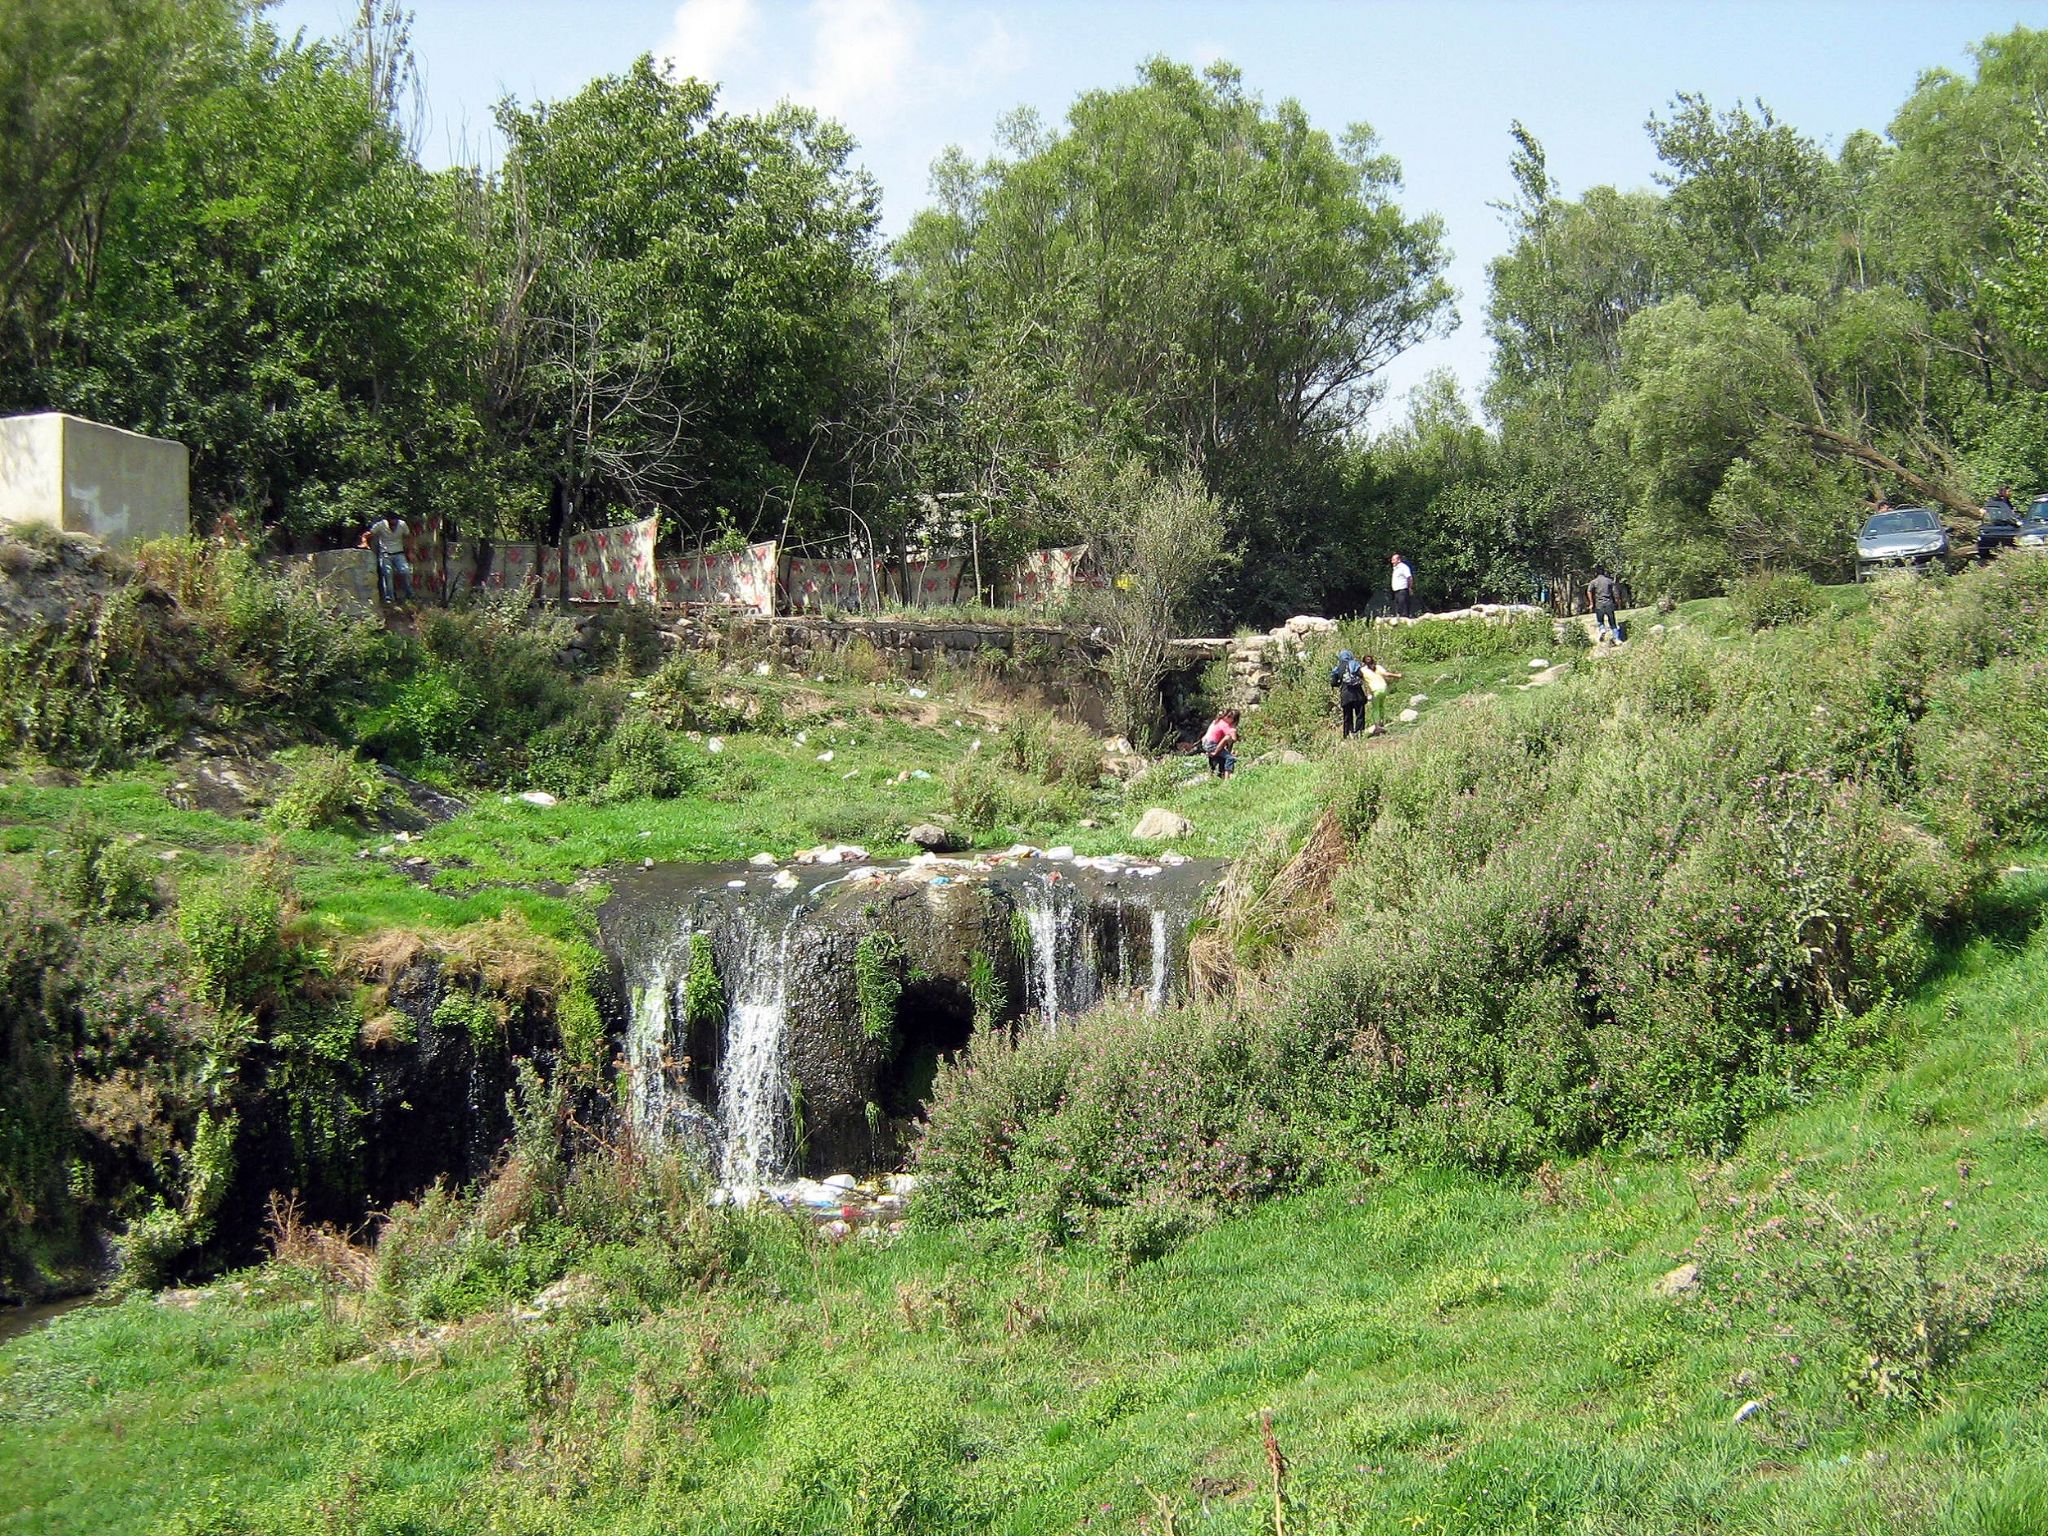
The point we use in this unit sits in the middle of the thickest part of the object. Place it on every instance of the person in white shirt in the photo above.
(386, 538)
(1404, 588)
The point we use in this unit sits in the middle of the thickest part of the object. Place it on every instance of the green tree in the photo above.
(1187, 275)
(686, 295)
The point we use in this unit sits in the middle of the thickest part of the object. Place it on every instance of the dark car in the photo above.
(1909, 538)
(2033, 532)
(2000, 529)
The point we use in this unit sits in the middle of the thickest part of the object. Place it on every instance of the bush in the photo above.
(231, 926)
(1053, 751)
(325, 787)
(1641, 908)
(97, 877)
(1773, 598)
(642, 761)
(1530, 634)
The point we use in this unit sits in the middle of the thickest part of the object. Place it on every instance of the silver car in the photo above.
(1910, 538)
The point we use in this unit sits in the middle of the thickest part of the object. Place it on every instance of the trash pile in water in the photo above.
(838, 1208)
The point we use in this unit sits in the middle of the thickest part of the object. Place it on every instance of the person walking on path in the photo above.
(1377, 678)
(1404, 588)
(1601, 593)
(386, 539)
(1348, 678)
(1217, 743)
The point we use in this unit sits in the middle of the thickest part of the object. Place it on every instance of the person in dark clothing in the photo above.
(1999, 508)
(1601, 593)
(1348, 678)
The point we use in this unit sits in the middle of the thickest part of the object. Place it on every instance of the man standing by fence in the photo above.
(385, 538)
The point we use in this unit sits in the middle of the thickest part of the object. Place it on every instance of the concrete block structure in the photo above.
(83, 477)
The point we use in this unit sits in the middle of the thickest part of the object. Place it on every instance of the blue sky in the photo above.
(1440, 82)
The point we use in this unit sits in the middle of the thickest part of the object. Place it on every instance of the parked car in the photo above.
(2000, 529)
(2033, 532)
(1910, 538)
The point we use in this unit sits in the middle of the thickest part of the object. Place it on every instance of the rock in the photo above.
(826, 756)
(1538, 664)
(764, 669)
(539, 797)
(1409, 716)
(1290, 757)
(1159, 824)
(1548, 675)
(1656, 629)
(1682, 1281)
(836, 1231)
(1116, 746)
(713, 744)
(1090, 823)
(901, 1184)
(933, 837)
(785, 880)
(841, 1181)
(763, 861)
(1417, 700)
(1059, 855)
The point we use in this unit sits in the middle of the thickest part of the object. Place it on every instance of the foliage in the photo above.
(323, 788)
(1771, 598)
(703, 992)
(878, 963)
(99, 877)
(1157, 540)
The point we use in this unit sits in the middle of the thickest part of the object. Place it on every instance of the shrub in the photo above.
(1044, 747)
(325, 787)
(1773, 598)
(1530, 634)
(642, 761)
(231, 926)
(98, 877)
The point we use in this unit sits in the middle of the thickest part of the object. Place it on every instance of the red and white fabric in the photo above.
(812, 586)
(1046, 573)
(744, 579)
(614, 565)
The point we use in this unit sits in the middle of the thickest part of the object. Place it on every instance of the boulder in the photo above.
(1682, 1281)
(934, 837)
(539, 797)
(1161, 825)
(1409, 716)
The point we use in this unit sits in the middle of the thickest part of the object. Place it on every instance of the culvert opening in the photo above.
(934, 1021)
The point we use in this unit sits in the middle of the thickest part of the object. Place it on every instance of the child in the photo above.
(1376, 679)
(1217, 742)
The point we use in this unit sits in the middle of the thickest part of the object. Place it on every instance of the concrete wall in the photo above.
(83, 477)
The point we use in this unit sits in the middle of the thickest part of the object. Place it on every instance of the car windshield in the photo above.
(2038, 511)
(1911, 520)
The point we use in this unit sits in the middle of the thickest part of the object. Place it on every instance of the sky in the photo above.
(1438, 80)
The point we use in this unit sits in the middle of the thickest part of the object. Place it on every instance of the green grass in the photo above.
(1438, 1352)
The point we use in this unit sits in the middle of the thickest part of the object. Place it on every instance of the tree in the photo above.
(687, 294)
(1155, 539)
(82, 84)
(1187, 275)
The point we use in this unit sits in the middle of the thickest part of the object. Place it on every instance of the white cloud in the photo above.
(706, 38)
(862, 52)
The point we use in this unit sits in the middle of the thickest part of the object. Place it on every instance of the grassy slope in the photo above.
(1439, 1353)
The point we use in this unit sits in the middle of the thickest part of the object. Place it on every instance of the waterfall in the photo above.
(1162, 961)
(722, 1089)
(753, 1079)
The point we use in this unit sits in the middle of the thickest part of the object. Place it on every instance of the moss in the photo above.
(479, 1017)
(703, 992)
(985, 987)
(878, 982)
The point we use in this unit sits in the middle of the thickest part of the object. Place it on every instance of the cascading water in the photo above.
(753, 1079)
(1061, 934)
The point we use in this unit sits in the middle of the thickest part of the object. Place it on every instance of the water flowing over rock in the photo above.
(783, 1066)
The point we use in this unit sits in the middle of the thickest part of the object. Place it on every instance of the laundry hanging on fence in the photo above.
(1047, 573)
(614, 565)
(812, 586)
(743, 578)
(937, 581)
